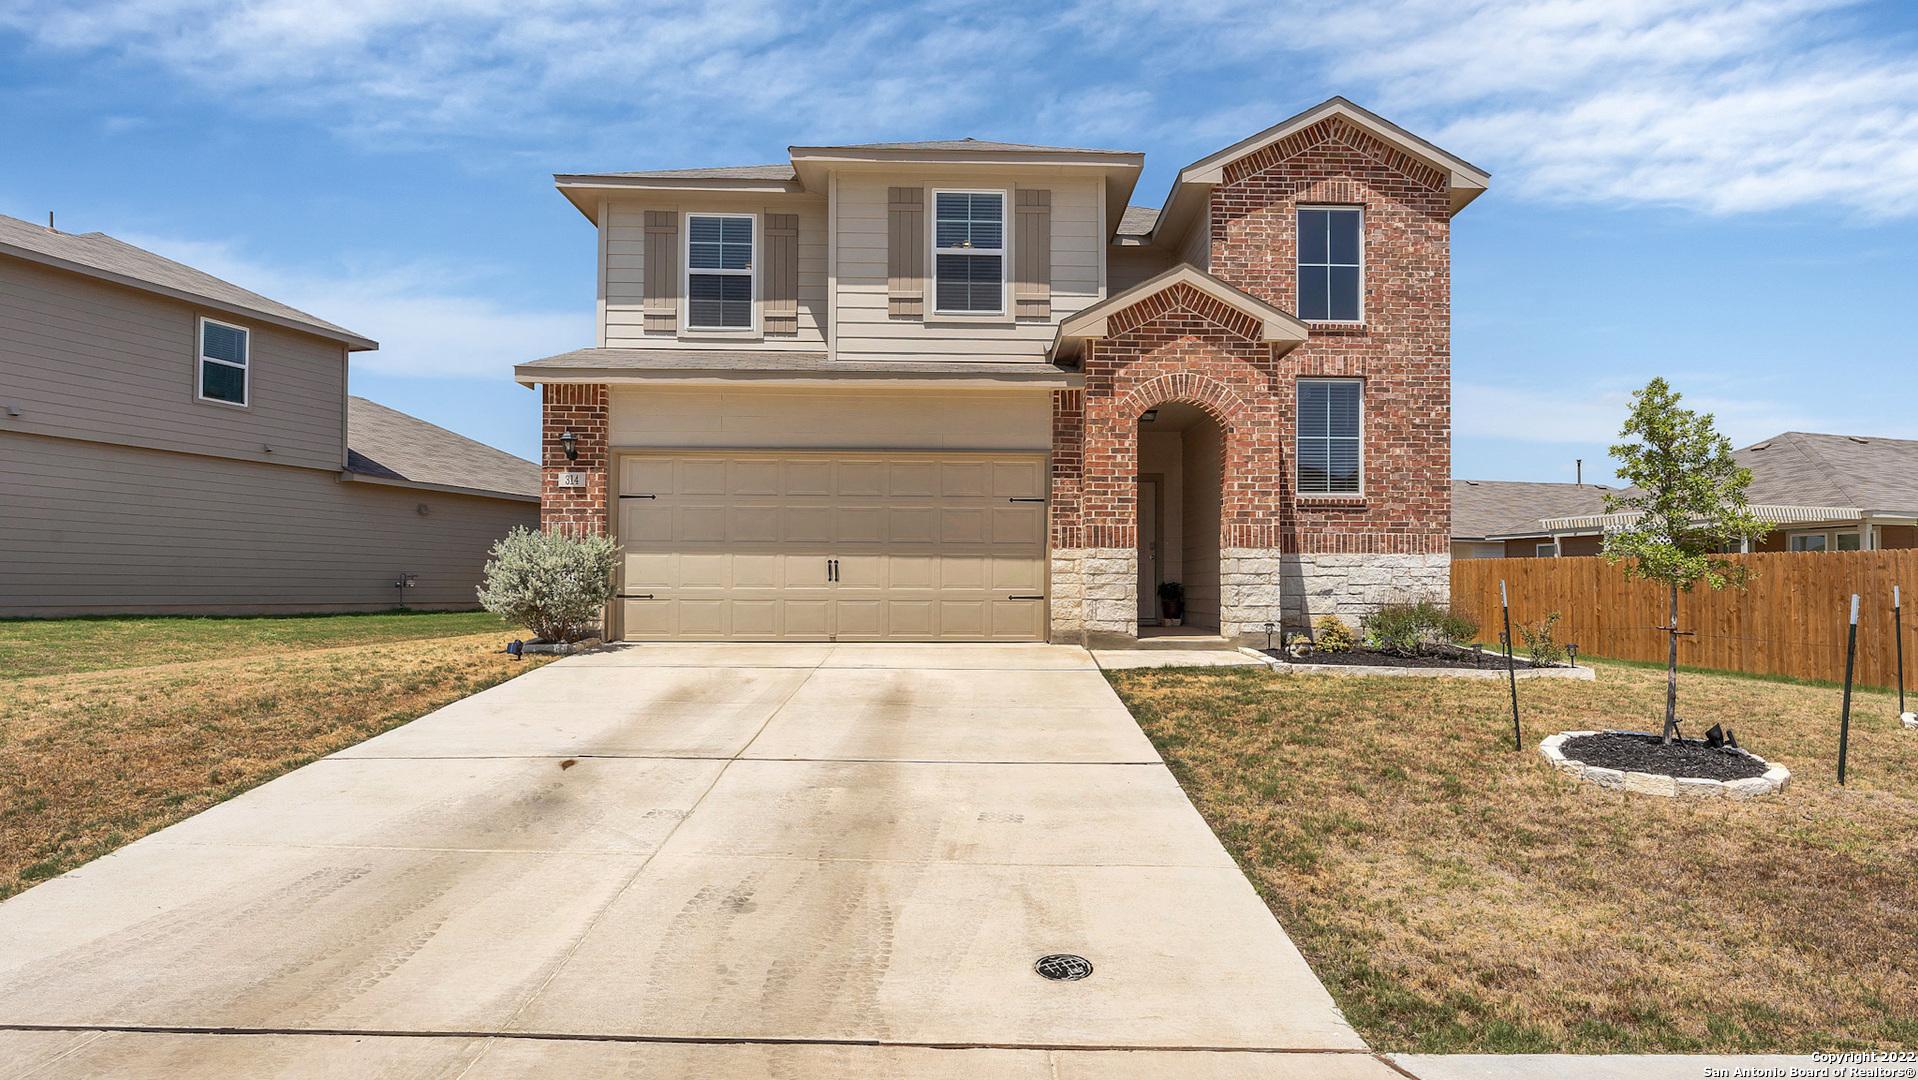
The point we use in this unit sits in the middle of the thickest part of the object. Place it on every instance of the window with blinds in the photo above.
(719, 272)
(223, 362)
(1330, 428)
(1330, 267)
(969, 252)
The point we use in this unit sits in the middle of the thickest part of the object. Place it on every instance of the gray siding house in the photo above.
(172, 443)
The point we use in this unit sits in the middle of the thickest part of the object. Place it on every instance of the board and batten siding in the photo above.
(868, 330)
(88, 359)
(626, 266)
(93, 528)
(836, 418)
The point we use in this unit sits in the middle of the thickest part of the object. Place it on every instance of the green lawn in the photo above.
(31, 647)
(1458, 896)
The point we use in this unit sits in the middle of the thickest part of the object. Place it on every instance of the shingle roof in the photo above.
(1804, 469)
(100, 255)
(387, 443)
(1138, 220)
(1482, 508)
(971, 144)
(723, 172)
(769, 363)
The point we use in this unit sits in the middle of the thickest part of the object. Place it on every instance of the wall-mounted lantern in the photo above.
(570, 442)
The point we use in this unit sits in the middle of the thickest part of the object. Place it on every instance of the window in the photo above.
(969, 252)
(1545, 551)
(719, 272)
(1848, 541)
(1329, 436)
(1808, 542)
(1329, 276)
(223, 362)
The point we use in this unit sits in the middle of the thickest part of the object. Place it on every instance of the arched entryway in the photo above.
(1180, 490)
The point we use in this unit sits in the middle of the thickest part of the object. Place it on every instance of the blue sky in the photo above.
(1723, 192)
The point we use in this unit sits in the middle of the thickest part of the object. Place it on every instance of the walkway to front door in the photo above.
(689, 860)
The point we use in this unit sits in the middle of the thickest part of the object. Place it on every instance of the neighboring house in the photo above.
(1504, 519)
(171, 443)
(963, 391)
(1819, 492)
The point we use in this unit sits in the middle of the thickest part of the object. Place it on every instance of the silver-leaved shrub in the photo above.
(554, 585)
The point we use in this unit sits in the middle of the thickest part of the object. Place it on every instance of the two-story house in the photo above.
(964, 391)
(173, 443)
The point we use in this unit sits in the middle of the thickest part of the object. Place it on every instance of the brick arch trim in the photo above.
(1218, 400)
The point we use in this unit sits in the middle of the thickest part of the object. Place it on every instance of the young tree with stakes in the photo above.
(1688, 498)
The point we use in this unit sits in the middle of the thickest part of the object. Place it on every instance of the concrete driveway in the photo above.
(698, 860)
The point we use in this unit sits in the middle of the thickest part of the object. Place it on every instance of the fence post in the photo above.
(1898, 631)
(1844, 720)
(1511, 672)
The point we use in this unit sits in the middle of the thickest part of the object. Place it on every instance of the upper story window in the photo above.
(223, 362)
(719, 271)
(1329, 434)
(1330, 266)
(969, 252)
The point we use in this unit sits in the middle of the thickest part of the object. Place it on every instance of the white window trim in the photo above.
(1007, 223)
(686, 272)
(1545, 551)
(1363, 268)
(1297, 384)
(201, 359)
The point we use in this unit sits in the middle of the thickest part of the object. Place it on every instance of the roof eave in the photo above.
(1277, 327)
(352, 341)
(583, 190)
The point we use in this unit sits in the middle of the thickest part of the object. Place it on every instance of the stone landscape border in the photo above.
(1774, 781)
(1564, 672)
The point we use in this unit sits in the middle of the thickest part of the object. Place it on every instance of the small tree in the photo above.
(556, 586)
(1689, 495)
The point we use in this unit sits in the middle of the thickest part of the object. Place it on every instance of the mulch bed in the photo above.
(1688, 758)
(1368, 658)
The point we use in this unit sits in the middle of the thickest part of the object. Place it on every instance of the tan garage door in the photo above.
(846, 547)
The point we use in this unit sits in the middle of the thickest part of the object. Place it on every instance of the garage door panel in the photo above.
(738, 546)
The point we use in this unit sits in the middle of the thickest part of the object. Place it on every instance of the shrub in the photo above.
(1415, 627)
(556, 586)
(1332, 635)
(1539, 642)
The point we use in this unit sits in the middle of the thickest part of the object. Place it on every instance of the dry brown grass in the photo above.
(89, 762)
(1455, 895)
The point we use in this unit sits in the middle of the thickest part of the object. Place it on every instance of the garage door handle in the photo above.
(1026, 498)
(635, 596)
(1025, 597)
(639, 496)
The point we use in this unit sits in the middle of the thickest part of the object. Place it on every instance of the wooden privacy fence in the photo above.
(1789, 620)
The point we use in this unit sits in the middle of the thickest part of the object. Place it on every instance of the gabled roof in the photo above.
(1800, 468)
(1276, 325)
(782, 171)
(385, 444)
(1467, 181)
(1137, 221)
(1496, 509)
(100, 256)
(789, 367)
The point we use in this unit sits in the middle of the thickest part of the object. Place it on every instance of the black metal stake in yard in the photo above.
(1844, 722)
(1898, 631)
(1511, 670)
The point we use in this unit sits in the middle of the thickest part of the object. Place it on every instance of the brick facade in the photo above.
(583, 409)
(1286, 557)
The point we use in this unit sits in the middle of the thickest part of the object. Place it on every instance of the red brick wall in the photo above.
(1402, 350)
(583, 410)
(1181, 345)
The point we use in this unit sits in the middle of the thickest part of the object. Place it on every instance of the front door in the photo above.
(1149, 545)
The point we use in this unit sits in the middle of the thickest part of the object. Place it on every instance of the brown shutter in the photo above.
(1032, 249)
(906, 252)
(661, 305)
(782, 274)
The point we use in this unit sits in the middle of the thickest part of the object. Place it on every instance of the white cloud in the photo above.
(427, 326)
(1719, 105)
(1592, 415)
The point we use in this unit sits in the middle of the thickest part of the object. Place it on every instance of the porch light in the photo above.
(570, 442)
(1148, 416)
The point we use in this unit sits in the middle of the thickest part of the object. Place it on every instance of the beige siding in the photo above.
(92, 528)
(1197, 248)
(626, 266)
(88, 359)
(844, 418)
(1126, 267)
(867, 330)
(1204, 466)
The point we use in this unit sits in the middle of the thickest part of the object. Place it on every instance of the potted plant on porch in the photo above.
(1172, 602)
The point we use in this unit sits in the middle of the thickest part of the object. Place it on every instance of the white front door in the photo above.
(783, 546)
